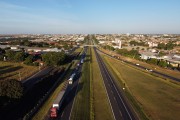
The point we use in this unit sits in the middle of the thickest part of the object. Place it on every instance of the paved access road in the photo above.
(120, 107)
(29, 82)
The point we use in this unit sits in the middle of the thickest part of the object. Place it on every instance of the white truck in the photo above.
(71, 78)
(82, 61)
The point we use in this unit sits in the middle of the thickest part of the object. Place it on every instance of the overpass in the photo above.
(88, 45)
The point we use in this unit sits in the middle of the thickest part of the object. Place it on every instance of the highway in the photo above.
(144, 68)
(71, 91)
(120, 108)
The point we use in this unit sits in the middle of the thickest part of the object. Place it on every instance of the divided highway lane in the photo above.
(144, 68)
(67, 105)
(119, 106)
(69, 100)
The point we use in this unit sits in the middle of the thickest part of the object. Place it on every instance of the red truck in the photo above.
(54, 112)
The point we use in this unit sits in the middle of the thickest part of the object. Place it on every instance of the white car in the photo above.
(150, 70)
(137, 64)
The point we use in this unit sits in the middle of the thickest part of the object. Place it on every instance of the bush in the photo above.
(11, 89)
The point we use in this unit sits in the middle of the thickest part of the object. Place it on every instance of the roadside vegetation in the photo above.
(101, 106)
(135, 54)
(149, 64)
(152, 97)
(11, 74)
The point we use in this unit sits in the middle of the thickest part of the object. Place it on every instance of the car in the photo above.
(137, 64)
(150, 70)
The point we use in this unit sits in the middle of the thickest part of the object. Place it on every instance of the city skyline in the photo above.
(89, 16)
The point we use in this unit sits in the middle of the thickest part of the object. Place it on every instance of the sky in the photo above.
(89, 16)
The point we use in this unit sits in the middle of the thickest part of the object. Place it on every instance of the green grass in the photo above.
(147, 93)
(12, 70)
(81, 108)
(91, 90)
(102, 110)
(78, 49)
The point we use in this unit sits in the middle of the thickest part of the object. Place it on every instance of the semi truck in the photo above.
(71, 78)
(82, 60)
(56, 105)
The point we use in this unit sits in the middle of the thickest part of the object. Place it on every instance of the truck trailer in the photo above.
(56, 105)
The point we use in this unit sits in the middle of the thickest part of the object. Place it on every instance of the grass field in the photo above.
(78, 49)
(10, 70)
(81, 108)
(157, 98)
(102, 110)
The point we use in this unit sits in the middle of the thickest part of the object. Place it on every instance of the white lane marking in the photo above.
(117, 92)
(104, 85)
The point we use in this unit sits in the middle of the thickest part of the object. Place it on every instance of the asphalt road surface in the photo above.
(71, 91)
(29, 82)
(119, 106)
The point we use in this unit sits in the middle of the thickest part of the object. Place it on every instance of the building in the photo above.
(149, 55)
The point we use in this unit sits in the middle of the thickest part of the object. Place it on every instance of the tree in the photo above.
(163, 63)
(10, 55)
(54, 58)
(161, 54)
(19, 57)
(161, 46)
(11, 88)
(152, 61)
(29, 60)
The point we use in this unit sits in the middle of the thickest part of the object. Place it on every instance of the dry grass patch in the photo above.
(10, 70)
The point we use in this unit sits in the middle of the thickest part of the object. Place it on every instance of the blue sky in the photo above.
(89, 16)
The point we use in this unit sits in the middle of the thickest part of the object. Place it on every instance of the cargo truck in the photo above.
(71, 78)
(56, 105)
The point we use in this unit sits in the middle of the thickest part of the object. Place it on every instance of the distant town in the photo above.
(158, 47)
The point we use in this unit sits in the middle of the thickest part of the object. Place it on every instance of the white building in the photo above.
(52, 50)
(149, 55)
(152, 44)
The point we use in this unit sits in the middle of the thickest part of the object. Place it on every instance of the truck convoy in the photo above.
(56, 105)
(58, 101)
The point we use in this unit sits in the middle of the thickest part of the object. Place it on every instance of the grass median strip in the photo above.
(158, 99)
(102, 110)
